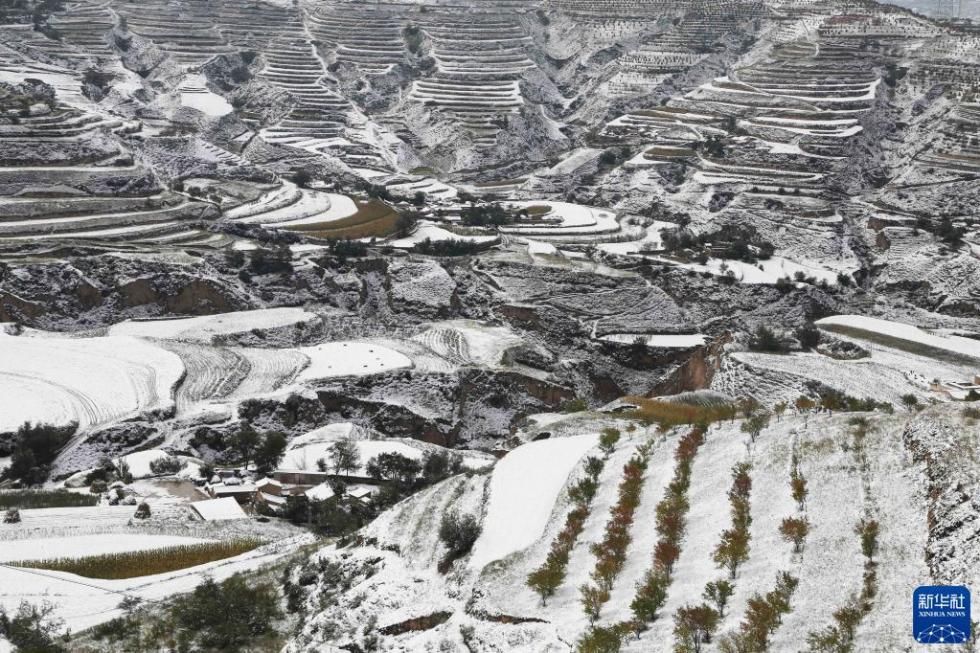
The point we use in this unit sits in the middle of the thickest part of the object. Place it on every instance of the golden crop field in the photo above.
(132, 564)
(373, 219)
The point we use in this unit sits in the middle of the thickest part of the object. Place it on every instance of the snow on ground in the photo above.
(639, 553)
(85, 602)
(413, 524)
(467, 342)
(206, 327)
(429, 231)
(338, 207)
(567, 219)
(268, 370)
(666, 341)
(62, 522)
(523, 489)
(333, 359)
(864, 377)
(906, 332)
(86, 380)
(652, 240)
(139, 462)
(538, 248)
(195, 94)
(305, 450)
(768, 271)
(88, 545)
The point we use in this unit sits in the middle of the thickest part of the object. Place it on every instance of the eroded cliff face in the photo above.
(697, 371)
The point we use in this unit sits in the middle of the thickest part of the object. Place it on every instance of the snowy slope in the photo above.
(86, 380)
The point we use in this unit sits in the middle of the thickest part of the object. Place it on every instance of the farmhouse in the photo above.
(218, 509)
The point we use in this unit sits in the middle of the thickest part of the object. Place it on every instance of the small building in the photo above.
(243, 493)
(218, 509)
(269, 486)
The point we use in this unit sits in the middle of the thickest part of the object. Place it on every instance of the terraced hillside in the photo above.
(66, 174)
(484, 600)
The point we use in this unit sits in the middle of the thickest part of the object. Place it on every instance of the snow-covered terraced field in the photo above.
(666, 341)
(268, 370)
(71, 522)
(466, 342)
(306, 450)
(428, 231)
(335, 359)
(563, 219)
(205, 328)
(523, 490)
(871, 377)
(901, 336)
(211, 372)
(830, 567)
(85, 380)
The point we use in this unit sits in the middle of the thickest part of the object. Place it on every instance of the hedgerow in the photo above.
(28, 499)
(733, 549)
(610, 553)
(547, 578)
(651, 592)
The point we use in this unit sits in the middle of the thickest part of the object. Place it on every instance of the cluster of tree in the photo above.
(402, 476)
(485, 215)
(303, 177)
(346, 248)
(611, 157)
(32, 449)
(547, 578)
(375, 191)
(733, 549)
(405, 476)
(108, 471)
(196, 191)
(731, 242)
(265, 450)
(271, 261)
(651, 592)
(832, 399)
(448, 247)
(763, 615)
(765, 339)
(98, 78)
(334, 517)
(344, 456)
(413, 38)
(458, 533)
(713, 146)
(406, 223)
(41, 12)
(236, 614)
(610, 552)
(32, 629)
(694, 625)
(166, 465)
(944, 230)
